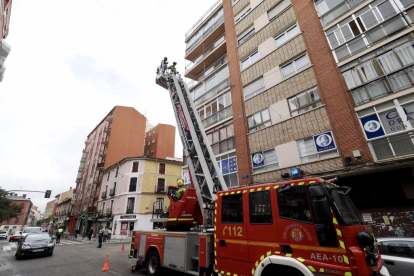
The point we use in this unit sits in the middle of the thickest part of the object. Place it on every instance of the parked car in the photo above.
(15, 236)
(35, 244)
(397, 255)
(3, 235)
(29, 230)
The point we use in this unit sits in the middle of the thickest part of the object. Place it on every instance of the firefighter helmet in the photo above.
(180, 182)
(174, 63)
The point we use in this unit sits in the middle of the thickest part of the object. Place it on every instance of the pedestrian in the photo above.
(109, 234)
(100, 235)
(90, 233)
(59, 234)
(76, 233)
(105, 234)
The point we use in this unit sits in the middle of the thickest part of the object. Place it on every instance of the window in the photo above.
(153, 141)
(287, 35)
(130, 205)
(133, 184)
(308, 152)
(259, 120)
(246, 35)
(406, 53)
(216, 110)
(235, 2)
(152, 150)
(294, 204)
(250, 59)
(397, 248)
(161, 185)
(221, 138)
(304, 102)
(161, 169)
(117, 171)
(228, 166)
(135, 166)
(242, 14)
(109, 175)
(270, 161)
(254, 88)
(16, 220)
(232, 209)
(295, 66)
(260, 208)
(277, 10)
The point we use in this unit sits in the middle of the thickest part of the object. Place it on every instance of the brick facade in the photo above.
(332, 88)
(239, 117)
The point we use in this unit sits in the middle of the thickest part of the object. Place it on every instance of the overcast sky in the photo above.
(70, 63)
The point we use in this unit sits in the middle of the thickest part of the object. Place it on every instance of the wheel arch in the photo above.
(273, 262)
(153, 248)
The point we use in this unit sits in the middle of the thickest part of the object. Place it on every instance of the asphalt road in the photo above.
(71, 258)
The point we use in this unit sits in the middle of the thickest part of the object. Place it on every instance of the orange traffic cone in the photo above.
(106, 265)
(123, 249)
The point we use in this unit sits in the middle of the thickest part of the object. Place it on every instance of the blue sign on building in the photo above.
(257, 159)
(372, 126)
(324, 141)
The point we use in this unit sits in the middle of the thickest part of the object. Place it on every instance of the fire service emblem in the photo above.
(296, 234)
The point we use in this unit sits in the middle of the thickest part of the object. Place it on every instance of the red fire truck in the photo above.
(300, 227)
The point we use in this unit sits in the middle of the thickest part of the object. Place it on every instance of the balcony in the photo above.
(97, 180)
(103, 196)
(91, 209)
(99, 213)
(207, 57)
(100, 166)
(112, 192)
(393, 146)
(108, 212)
(81, 167)
(102, 153)
(212, 92)
(105, 141)
(198, 79)
(217, 117)
(338, 10)
(87, 142)
(107, 129)
(109, 118)
(130, 210)
(94, 194)
(4, 49)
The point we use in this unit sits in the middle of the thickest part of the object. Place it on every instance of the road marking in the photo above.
(6, 248)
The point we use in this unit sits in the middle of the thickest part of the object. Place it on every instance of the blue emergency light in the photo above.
(296, 173)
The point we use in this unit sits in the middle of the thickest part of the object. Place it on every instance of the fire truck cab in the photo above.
(300, 227)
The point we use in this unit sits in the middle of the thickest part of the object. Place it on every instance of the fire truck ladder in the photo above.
(202, 164)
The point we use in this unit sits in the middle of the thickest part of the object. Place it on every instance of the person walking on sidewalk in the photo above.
(100, 235)
(109, 234)
(90, 233)
(105, 234)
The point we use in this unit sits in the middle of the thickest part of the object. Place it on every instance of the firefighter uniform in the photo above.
(173, 69)
(181, 189)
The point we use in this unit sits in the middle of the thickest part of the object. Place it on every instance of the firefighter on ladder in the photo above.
(181, 190)
(173, 69)
(164, 63)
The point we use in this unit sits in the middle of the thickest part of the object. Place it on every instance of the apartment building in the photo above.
(120, 134)
(18, 223)
(5, 12)
(324, 86)
(134, 190)
(160, 141)
(49, 209)
(62, 214)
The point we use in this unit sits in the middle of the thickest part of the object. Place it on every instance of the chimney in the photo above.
(24, 195)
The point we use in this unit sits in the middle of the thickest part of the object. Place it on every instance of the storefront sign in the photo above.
(367, 217)
(324, 141)
(257, 159)
(372, 126)
(128, 217)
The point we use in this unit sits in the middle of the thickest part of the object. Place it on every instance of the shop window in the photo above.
(132, 184)
(260, 208)
(232, 209)
(304, 102)
(135, 166)
(161, 169)
(294, 204)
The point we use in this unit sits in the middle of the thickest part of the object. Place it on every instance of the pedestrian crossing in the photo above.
(9, 247)
(66, 242)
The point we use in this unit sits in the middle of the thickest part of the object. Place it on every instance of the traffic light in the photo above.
(47, 194)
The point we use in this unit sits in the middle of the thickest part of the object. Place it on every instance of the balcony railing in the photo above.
(223, 146)
(92, 209)
(112, 192)
(103, 195)
(130, 210)
(100, 213)
(87, 142)
(393, 146)
(94, 193)
(339, 10)
(212, 68)
(205, 34)
(107, 129)
(213, 91)
(109, 118)
(217, 117)
(100, 166)
(98, 179)
(105, 141)
(103, 152)
(205, 53)
(108, 212)
(370, 37)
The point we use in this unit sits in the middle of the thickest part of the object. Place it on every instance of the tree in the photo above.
(44, 220)
(7, 209)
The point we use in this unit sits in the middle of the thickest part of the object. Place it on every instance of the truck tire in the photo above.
(153, 263)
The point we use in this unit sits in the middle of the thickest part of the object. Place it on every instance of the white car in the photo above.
(3, 235)
(397, 255)
(30, 230)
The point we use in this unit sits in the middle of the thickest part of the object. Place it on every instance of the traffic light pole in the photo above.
(47, 192)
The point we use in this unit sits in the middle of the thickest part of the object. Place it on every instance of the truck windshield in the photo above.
(346, 208)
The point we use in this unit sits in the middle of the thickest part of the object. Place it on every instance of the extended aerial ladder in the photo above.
(203, 168)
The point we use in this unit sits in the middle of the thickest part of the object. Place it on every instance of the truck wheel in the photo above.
(153, 263)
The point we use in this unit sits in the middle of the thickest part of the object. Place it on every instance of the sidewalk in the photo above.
(125, 241)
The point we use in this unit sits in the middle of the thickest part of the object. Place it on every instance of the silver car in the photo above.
(397, 255)
(3, 235)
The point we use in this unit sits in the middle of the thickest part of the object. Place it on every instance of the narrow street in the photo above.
(69, 258)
